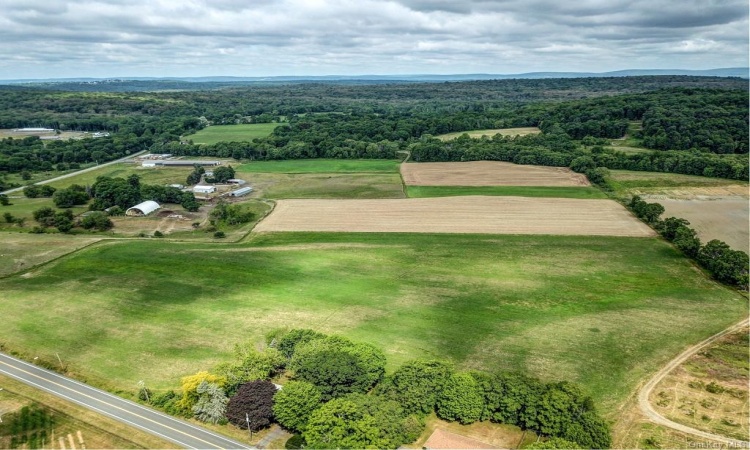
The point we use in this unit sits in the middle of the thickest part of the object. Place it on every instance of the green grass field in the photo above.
(321, 166)
(326, 185)
(232, 133)
(624, 181)
(521, 191)
(604, 312)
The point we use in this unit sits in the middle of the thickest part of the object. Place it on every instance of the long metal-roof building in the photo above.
(241, 191)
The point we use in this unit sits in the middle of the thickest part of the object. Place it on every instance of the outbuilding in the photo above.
(202, 189)
(241, 191)
(143, 209)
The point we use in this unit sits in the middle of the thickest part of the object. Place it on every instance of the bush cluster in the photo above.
(339, 397)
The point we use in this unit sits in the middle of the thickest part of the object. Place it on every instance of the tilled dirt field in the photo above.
(471, 214)
(723, 218)
(488, 173)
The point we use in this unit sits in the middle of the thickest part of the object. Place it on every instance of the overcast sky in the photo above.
(119, 38)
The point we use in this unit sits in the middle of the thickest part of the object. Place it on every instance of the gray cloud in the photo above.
(265, 37)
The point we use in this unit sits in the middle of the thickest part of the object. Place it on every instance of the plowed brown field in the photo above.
(471, 214)
(488, 173)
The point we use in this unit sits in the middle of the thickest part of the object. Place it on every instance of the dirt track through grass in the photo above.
(488, 173)
(472, 214)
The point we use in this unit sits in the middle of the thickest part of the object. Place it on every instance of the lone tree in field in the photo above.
(223, 173)
(253, 401)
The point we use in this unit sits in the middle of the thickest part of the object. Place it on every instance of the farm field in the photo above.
(149, 175)
(326, 185)
(24, 207)
(473, 214)
(488, 173)
(673, 185)
(320, 166)
(523, 131)
(95, 430)
(232, 133)
(725, 218)
(555, 307)
(22, 251)
(716, 208)
(521, 191)
(710, 390)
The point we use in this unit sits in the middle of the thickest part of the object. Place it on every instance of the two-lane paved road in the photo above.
(146, 419)
(77, 172)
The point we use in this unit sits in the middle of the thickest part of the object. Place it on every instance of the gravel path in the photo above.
(645, 393)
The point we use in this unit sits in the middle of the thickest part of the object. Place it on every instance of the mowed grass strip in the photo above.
(604, 312)
(321, 166)
(520, 191)
(232, 133)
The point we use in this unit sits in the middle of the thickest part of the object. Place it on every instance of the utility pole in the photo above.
(247, 419)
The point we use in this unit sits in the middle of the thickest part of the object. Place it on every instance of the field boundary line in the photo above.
(645, 392)
(44, 263)
(269, 202)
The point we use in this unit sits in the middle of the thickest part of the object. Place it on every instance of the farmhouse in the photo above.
(143, 209)
(201, 189)
(241, 191)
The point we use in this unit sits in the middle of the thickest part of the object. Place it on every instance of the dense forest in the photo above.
(694, 124)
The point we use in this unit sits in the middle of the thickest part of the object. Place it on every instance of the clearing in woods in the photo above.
(232, 133)
(488, 173)
(471, 214)
(523, 131)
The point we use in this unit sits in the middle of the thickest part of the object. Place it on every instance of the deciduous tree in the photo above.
(253, 401)
(293, 405)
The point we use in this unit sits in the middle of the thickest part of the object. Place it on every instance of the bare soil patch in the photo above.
(442, 434)
(488, 173)
(709, 391)
(471, 214)
(723, 218)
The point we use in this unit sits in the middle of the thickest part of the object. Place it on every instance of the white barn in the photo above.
(201, 189)
(143, 209)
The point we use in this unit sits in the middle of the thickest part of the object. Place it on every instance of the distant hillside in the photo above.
(741, 72)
